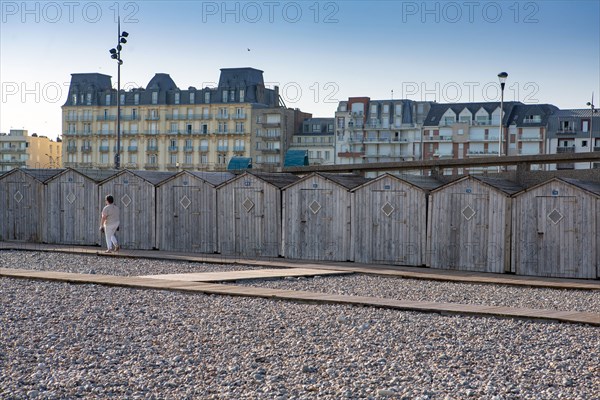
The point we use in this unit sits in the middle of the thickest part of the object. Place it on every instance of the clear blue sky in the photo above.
(319, 52)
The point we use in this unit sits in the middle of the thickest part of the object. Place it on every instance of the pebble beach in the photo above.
(65, 341)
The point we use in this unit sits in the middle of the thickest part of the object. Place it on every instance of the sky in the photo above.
(317, 52)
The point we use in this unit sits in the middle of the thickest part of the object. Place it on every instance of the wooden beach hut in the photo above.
(556, 229)
(22, 199)
(249, 210)
(469, 225)
(389, 219)
(73, 212)
(135, 195)
(187, 211)
(317, 217)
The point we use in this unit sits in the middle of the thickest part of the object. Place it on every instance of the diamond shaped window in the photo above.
(18, 196)
(185, 202)
(248, 205)
(468, 212)
(71, 197)
(314, 207)
(387, 209)
(126, 200)
(555, 216)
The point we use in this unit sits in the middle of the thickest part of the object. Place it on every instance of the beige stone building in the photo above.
(18, 149)
(166, 128)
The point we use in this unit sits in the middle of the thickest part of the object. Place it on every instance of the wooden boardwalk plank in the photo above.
(463, 309)
(247, 274)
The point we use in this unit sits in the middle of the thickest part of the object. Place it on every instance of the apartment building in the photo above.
(569, 132)
(18, 149)
(162, 126)
(378, 130)
(317, 137)
(467, 130)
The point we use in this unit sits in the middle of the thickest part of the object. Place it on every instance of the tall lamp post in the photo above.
(115, 54)
(591, 105)
(502, 78)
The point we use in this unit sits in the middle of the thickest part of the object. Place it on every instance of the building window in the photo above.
(223, 112)
(173, 143)
(192, 98)
(154, 97)
(232, 95)
(239, 127)
(88, 99)
(188, 159)
(224, 96)
(242, 95)
(174, 127)
(152, 159)
(173, 159)
(74, 100)
(134, 114)
(122, 99)
(188, 129)
(104, 158)
(107, 100)
(207, 97)
(177, 98)
(584, 143)
(136, 99)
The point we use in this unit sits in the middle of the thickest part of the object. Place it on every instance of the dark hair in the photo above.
(110, 199)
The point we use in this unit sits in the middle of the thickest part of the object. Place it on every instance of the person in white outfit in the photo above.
(110, 223)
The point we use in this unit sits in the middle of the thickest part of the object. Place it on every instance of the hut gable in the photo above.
(135, 195)
(317, 217)
(187, 211)
(389, 220)
(21, 216)
(249, 214)
(73, 210)
(556, 229)
(469, 225)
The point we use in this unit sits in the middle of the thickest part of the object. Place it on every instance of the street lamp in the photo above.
(115, 54)
(591, 105)
(502, 78)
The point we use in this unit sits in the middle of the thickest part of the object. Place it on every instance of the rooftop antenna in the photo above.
(392, 94)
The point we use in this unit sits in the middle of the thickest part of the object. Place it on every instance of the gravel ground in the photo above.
(443, 292)
(65, 341)
(85, 264)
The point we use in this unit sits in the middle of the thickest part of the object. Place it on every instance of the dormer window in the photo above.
(122, 99)
(107, 100)
(74, 99)
(242, 95)
(207, 97)
(225, 92)
(154, 97)
(192, 98)
(88, 99)
(177, 98)
(136, 99)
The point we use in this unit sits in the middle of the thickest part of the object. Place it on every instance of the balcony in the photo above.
(222, 117)
(106, 118)
(239, 116)
(270, 150)
(566, 131)
(443, 154)
(536, 138)
(152, 117)
(130, 133)
(481, 153)
(188, 149)
(152, 149)
(570, 149)
(173, 149)
(132, 149)
(71, 149)
(223, 148)
(105, 133)
(86, 149)
(103, 149)
(151, 166)
(131, 165)
(487, 138)
(271, 137)
(221, 132)
(596, 148)
(203, 149)
(130, 117)
(239, 149)
(238, 133)
(523, 152)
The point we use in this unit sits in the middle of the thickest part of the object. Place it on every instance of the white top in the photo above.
(111, 212)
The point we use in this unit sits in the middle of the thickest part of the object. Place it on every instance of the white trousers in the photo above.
(111, 239)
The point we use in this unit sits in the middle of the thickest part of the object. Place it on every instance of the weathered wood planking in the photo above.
(247, 274)
(317, 217)
(389, 220)
(188, 218)
(556, 229)
(249, 210)
(22, 196)
(73, 210)
(469, 225)
(135, 195)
